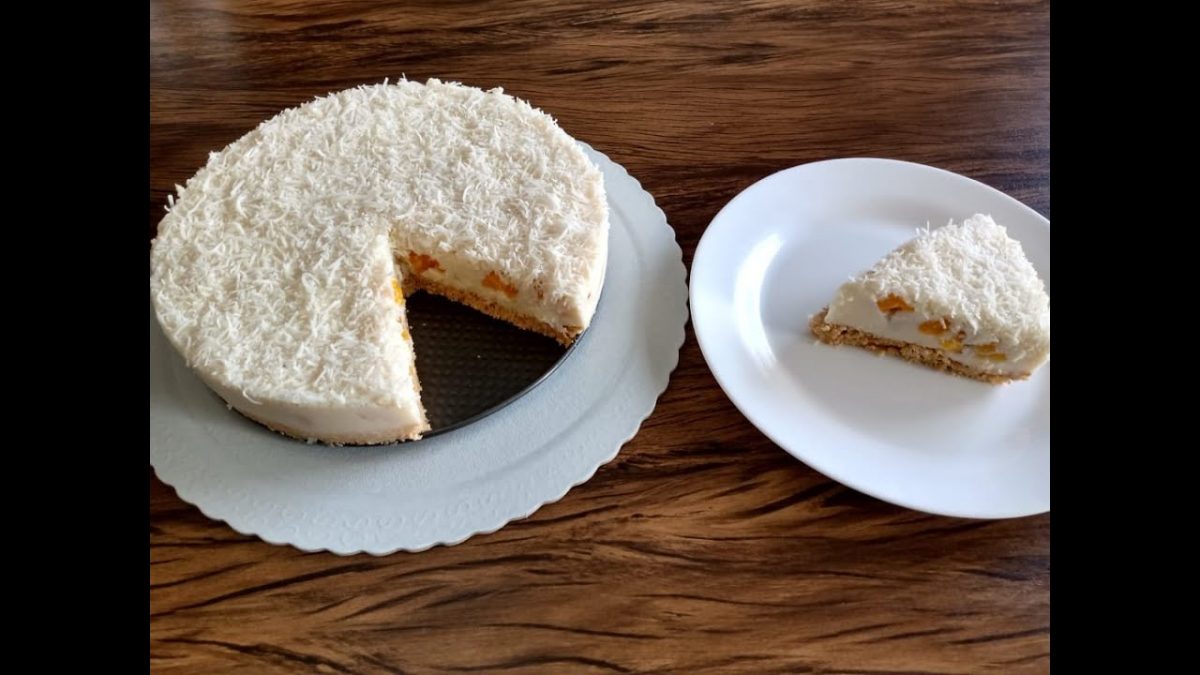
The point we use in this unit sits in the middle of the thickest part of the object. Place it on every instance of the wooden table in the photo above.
(703, 547)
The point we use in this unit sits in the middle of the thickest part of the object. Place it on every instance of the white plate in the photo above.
(906, 434)
(472, 480)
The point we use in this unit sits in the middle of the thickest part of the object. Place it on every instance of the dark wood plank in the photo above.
(703, 547)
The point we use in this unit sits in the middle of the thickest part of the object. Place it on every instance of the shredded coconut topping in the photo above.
(272, 270)
(973, 273)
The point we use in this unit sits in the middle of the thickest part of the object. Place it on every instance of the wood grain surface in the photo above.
(703, 547)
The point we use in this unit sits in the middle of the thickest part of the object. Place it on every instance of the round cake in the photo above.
(280, 270)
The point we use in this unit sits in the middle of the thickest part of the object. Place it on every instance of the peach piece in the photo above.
(496, 282)
(934, 327)
(952, 345)
(422, 263)
(893, 303)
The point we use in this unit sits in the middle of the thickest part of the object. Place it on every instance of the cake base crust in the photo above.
(564, 336)
(835, 334)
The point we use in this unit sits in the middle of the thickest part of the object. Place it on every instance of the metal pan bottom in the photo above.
(472, 365)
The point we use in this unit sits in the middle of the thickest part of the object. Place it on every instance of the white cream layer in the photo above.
(364, 422)
(352, 424)
(567, 315)
(856, 307)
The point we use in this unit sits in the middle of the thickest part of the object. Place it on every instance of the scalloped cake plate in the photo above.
(900, 432)
(472, 480)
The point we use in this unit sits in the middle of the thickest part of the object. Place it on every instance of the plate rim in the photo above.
(707, 348)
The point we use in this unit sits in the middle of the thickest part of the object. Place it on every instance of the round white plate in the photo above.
(442, 490)
(906, 434)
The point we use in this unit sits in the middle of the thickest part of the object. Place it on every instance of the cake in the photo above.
(962, 298)
(281, 268)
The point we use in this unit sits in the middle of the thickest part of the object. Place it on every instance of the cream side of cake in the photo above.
(962, 298)
(278, 271)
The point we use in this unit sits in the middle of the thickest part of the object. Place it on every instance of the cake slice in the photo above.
(962, 298)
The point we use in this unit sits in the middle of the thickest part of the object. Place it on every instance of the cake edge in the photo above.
(339, 440)
(837, 334)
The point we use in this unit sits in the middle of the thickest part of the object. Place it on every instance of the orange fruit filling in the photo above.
(496, 282)
(397, 292)
(952, 345)
(935, 327)
(421, 263)
(893, 303)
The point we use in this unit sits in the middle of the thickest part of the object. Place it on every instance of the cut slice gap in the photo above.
(503, 361)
